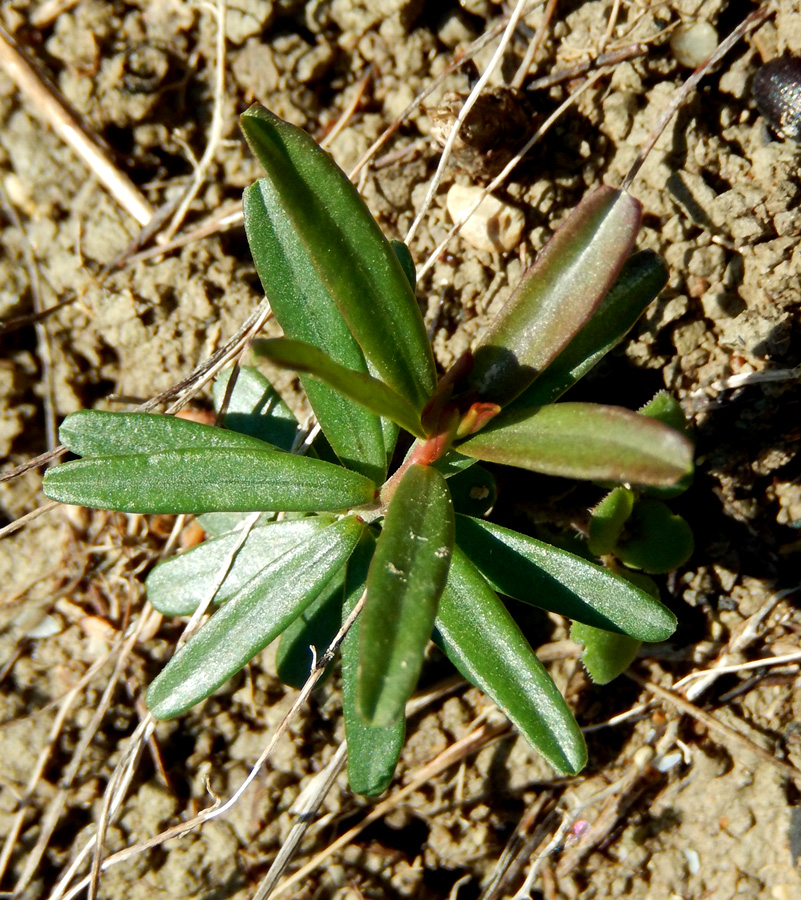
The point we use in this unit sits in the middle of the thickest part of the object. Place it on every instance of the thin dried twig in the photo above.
(745, 379)
(468, 54)
(715, 725)
(54, 810)
(610, 27)
(54, 111)
(534, 46)
(118, 786)
(756, 18)
(765, 663)
(22, 521)
(745, 635)
(602, 61)
(313, 796)
(612, 800)
(215, 129)
(527, 835)
(467, 745)
(218, 808)
(9, 326)
(350, 109)
(463, 113)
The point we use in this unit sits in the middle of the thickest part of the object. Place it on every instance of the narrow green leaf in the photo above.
(407, 263)
(545, 576)
(92, 432)
(557, 295)
(363, 389)
(307, 312)
(255, 408)
(218, 523)
(177, 586)
(474, 491)
(352, 259)
(665, 408)
(247, 623)
(485, 644)
(655, 540)
(373, 750)
(605, 655)
(585, 440)
(407, 576)
(309, 635)
(640, 280)
(608, 519)
(218, 480)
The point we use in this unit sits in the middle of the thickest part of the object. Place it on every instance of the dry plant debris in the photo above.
(672, 803)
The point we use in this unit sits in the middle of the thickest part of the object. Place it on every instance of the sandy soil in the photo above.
(677, 801)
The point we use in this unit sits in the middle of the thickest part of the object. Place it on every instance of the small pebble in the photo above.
(777, 93)
(666, 762)
(45, 628)
(693, 861)
(494, 226)
(693, 44)
(643, 757)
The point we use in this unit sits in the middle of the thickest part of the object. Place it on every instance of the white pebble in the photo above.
(494, 226)
(693, 861)
(693, 44)
(643, 757)
(666, 762)
(45, 628)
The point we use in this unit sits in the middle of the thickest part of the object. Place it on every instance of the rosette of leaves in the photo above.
(347, 521)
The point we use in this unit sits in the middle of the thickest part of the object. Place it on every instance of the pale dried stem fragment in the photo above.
(215, 129)
(55, 808)
(53, 109)
(696, 683)
(468, 745)
(534, 46)
(728, 734)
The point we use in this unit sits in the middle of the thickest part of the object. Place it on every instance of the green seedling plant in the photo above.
(637, 535)
(297, 541)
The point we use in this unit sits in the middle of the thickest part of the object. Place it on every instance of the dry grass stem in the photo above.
(729, 735)
(534, 45)
(468, 745)
(53, 110)
(695, 684)
(215, 129)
